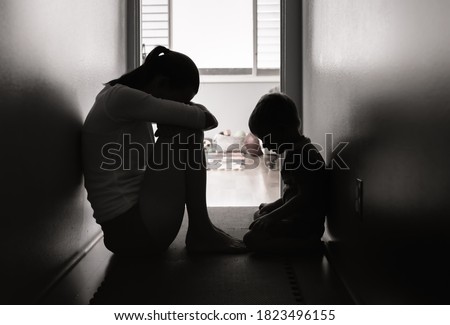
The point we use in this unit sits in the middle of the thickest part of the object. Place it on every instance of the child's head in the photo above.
(165, 74)
(275, 115)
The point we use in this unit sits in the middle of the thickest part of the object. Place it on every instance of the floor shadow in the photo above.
(180, 278)
(186, 280)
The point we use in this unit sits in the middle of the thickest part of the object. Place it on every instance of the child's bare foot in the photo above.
(213, 240)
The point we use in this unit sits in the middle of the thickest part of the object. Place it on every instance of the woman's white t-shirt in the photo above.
(120, 110)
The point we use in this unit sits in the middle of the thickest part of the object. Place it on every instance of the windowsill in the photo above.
(238, 79)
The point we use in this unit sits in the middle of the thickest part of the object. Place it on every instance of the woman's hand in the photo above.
(210, 119)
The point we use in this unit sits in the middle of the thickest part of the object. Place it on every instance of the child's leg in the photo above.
(166, 191)
(284, 237)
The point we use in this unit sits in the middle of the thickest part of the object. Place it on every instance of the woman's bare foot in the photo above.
(213, 240)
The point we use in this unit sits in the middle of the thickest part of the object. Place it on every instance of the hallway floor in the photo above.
(243, 187)
(180, 278)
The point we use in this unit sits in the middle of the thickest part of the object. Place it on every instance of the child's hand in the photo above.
(265, 208)
(260, 212)
(262, 223)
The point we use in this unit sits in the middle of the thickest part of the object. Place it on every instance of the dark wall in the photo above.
(377, 76)
(54, 57)
(291, 44)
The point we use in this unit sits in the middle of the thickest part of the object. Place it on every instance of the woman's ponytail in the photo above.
(155, 53)
(155, 61)
(178, 68)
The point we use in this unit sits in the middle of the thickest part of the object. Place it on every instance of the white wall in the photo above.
(54, 57)
(231, 102)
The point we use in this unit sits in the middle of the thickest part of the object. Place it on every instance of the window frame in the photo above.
(210, 74)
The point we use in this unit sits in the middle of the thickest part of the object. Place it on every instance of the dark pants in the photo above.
(127, 235)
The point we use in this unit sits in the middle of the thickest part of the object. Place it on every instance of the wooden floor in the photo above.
(248, 186)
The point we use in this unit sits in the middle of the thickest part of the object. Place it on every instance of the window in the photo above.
(155, 24)
(223, 37)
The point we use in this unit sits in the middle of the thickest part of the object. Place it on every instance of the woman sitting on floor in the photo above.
(138, 188)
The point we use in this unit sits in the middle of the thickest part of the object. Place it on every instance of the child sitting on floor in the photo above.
(294, 222)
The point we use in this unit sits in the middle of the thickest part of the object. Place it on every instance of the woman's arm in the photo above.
(125, 103)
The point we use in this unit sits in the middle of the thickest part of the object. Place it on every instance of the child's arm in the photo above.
(268, 207)
(289, 208)
(265, 208)
(310, 183)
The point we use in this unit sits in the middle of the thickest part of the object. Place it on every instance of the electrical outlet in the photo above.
(359, 198)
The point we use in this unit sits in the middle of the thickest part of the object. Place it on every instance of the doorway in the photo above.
(236, 46)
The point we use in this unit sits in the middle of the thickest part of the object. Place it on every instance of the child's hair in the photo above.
(180, 70)
(274, 110)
